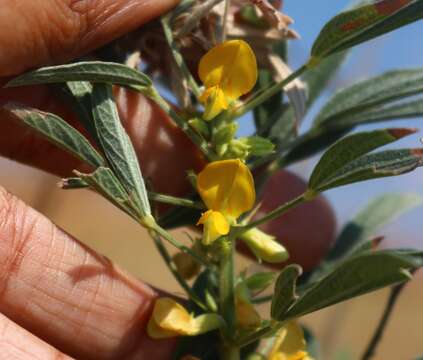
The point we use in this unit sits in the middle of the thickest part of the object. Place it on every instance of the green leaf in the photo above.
(350, 148)
(59, 132)
(93, 71)
(322, 136)
(79, 95)
(260, 281)
(118, 147)
(285, 295)
(404, 110)
(369, 94)
(104, 182)
(357, 276)
(363, 23)
(377, 165)
(364, 225)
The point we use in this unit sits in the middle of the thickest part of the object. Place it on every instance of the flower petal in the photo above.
(228, 187)
(214, 102)
(171, 319)
(232, 66)
(290, 343)
(215, 225)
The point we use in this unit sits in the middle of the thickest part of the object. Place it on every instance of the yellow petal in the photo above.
(171, 319)
(290, 344)
(265, 246)
(232, 66)
(215, 225)
(214, 101)
(228, 187)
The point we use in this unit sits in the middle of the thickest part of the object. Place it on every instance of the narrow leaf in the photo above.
(367, 94)
(118, 147)
(378, 165)
(357, 276)
(59, 132)
(351, 148)
(260, 281)
(404, 110)
(363, 23)
(285, 295)
(93, 71)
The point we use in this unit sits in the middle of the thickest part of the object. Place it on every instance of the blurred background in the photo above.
(344, 328)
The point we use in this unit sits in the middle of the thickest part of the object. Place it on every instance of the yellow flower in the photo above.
(227, 189)
(215, 225)
(228, 71)
(170, 319)
(290, 344)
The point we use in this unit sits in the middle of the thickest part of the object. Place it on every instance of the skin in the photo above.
(57, 296)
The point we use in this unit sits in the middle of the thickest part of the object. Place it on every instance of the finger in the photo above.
(53, 31)
(18, 344)
(69, 296)
(163, 150)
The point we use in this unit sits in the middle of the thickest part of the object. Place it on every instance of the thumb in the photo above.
(36, 33)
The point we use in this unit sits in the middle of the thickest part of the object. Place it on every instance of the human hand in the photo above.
(56, 296)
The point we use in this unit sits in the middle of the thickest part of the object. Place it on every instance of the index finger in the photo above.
(36, 33)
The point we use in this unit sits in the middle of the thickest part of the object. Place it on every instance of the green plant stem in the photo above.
(271, 215)
(227, 298)
(177, 56)
(172, 267)
(262, 299)
(261, 97)
(226, 284)
(377, 336)
(230, 352)
(259, 334)
(172, 200)
(201, 143)
(225, 20)
(165, 235)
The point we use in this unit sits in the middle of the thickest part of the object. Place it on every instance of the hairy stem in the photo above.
(172, 267)
(177, 56)
(172, 200)
(261, 97)
(271, 215)
(182, 123)
(227, 298)
(165, 235)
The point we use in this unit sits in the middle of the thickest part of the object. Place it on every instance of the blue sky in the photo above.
(399, 49)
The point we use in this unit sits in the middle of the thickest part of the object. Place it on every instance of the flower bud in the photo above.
(264, 246)
(170, 319)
